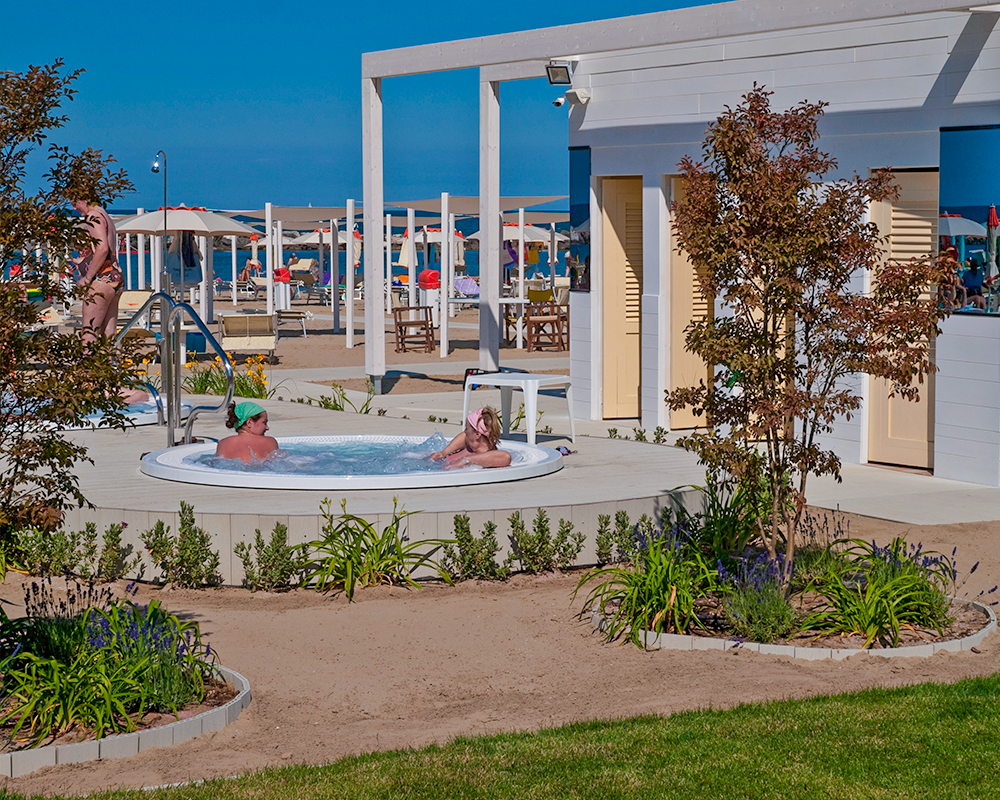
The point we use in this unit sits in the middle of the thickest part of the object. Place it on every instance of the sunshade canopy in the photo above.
(183, 218)
(959, 226)
(470, 205)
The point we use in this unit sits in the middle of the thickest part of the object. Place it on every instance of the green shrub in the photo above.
(353, 553)
(474, 559)
(45, 553)
(755, 607)
(640, 434)
(624, 536)
(115, 560)
(540, 551)
(658, 592)
(604, 541)
(186, 559)
(659, 435)
(276, 564)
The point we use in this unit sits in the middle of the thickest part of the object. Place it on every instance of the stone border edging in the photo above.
(674, 641)
(21, 762)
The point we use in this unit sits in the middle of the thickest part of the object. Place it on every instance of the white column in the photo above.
(372, 161)
(334, 274)
(279, 255)
(140, 245)
(156, 261)
(452, 308)
(520, 277)
(269, 256)
(411, 246)
(489, 224)
(553, 257)
(206, 306)
(348, 275)
(654, 358)
(388, 263)
(427, 248)
(128, 261)
(445, 273)
(236, 267)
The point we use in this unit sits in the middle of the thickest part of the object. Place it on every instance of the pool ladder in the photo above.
(170, 363)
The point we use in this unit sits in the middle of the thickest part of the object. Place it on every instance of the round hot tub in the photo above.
(336, 463)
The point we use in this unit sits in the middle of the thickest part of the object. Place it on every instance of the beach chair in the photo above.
(292, 315)
(414, 327)
(131, 300)
(544, 325)
(248, 332)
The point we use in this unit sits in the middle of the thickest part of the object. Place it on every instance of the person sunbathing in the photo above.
(249, 421)
(477, 444)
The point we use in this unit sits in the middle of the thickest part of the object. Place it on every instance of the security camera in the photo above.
(559, 101)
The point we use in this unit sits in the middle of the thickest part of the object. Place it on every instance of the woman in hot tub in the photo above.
(249, 421)
(477, 444)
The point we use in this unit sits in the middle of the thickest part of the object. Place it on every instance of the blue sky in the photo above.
(258, 102)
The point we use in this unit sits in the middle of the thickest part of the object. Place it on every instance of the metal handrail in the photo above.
(227, 366)
(170, 356)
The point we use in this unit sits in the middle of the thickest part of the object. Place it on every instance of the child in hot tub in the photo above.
(477, 444)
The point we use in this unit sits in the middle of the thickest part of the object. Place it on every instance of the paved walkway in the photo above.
(896, 495)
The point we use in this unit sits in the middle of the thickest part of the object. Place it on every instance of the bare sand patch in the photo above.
(402, 668)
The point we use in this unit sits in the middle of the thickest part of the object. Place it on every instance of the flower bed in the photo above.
(701, 575)
(85, 664)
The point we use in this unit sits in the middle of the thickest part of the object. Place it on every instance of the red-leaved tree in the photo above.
(807, 299)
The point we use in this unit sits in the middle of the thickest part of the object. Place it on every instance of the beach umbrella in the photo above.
(991, 244)
(959, 226)
(312, 237)
(532, 233)
(183, 218)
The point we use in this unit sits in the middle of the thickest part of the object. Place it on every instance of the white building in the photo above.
(901, 77)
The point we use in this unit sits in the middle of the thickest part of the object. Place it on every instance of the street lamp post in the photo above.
(164, 276)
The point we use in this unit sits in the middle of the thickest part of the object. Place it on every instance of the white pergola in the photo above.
(522, 55)
(297, 218)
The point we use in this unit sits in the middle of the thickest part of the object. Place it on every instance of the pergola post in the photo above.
(446, 244)
(490, 223)
(411, 252)
(348, 276)
(372, 162)
(334, 271)
(269, 256)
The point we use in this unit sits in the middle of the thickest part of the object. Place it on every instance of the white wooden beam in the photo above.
(737, 18)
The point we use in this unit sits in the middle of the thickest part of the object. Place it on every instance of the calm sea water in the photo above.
(222, 263)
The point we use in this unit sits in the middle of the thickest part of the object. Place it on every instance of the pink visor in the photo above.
(475, 419)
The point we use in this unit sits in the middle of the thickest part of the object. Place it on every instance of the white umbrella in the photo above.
(960, 226)
(532, 233)
(196, 220)
(312, 237)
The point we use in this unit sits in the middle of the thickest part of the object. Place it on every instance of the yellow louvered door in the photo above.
(622, 304)
(899, 431)
(686, 304)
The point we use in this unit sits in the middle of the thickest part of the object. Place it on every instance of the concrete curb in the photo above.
(21, 762)
(673, 641)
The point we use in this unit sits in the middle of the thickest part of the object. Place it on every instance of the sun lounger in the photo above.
(248, 332)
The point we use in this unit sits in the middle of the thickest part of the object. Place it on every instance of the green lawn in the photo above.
(930, 740)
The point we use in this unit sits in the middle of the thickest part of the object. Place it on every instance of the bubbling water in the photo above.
(339, 458)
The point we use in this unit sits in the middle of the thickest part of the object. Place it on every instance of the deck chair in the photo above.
(414, 328)
(544, 325)
(293, 315)
(145, 342)
(131, 300)
(248, 332)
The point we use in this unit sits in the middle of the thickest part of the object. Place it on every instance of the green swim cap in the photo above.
(246, 410)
